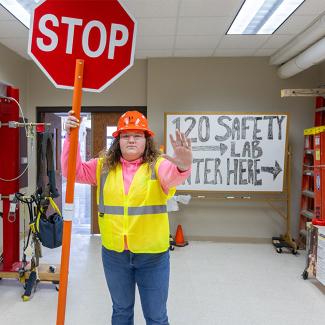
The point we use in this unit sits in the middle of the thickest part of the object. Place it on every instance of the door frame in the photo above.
(88, 109)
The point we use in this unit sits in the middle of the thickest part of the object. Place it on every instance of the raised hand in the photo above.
(182, 157)
(71, 122)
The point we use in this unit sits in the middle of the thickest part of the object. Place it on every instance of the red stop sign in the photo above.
(100, 32)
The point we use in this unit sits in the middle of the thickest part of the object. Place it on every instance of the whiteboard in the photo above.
(242, 152)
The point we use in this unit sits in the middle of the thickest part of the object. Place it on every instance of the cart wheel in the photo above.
(305, 275)
(294, 252)
(279, 250)
(57, 288)
(171, 248)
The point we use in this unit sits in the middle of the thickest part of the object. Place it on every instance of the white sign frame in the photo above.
(252, 145)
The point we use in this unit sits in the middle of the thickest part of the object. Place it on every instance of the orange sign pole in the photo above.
(68, 210)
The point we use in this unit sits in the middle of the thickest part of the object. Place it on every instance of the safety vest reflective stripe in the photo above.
(149, 209)
(117, 210)
(101, 207)
(133, 211)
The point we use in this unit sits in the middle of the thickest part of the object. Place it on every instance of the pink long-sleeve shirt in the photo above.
(168, 173)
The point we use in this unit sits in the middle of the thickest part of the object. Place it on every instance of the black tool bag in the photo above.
(50, 228)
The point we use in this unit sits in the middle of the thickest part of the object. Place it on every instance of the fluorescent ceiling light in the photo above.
(262, 16)
(21, 9)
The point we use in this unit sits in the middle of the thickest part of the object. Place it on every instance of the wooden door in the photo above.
(99, 124)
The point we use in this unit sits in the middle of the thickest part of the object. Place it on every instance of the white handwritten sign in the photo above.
(233, 152)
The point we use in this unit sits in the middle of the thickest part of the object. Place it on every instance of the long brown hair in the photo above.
(111, 157)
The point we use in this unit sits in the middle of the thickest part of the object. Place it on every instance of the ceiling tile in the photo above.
(143, 54)
(233, 52)
(277, 41)
(154, 42)
(242, 41)
(193, 52)
(296, 24)
(156, 26)
(311, 7)
(197, 42)
(209, 7)
(152, 8)
(14, 28)
(202, 26)
(265, 52)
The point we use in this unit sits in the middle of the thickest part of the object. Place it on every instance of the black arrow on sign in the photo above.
(222, 148)
(276, 170)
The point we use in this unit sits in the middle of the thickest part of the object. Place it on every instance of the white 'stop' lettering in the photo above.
(74, 23)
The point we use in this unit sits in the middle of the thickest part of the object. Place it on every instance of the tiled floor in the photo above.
(211, 284)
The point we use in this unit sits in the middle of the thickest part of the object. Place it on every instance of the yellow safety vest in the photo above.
(141, 215)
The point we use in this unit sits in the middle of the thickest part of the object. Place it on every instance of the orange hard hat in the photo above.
(132, 120)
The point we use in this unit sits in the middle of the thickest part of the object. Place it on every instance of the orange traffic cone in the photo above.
(179, 237)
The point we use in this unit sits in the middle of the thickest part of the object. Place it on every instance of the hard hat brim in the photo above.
(133, 128)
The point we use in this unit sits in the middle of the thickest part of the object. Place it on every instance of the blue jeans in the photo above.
(151, 274)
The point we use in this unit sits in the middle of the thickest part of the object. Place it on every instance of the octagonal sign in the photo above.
(100, 32)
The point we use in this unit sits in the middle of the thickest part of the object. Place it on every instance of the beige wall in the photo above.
(214, 84)
(230, 85)
(13, 71)
(322, 77)
(130, 89)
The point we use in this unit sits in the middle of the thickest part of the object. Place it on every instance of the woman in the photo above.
(133, 184)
